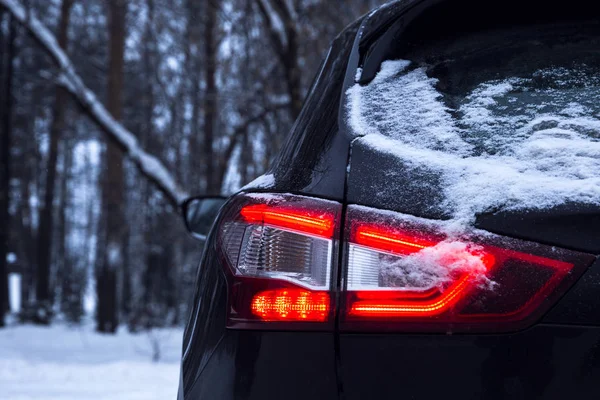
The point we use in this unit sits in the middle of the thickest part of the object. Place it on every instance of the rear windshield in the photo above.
(485, 93)
(501, 120)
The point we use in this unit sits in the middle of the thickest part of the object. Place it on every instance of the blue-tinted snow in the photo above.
(62, 363)
(262, 182)
(530, 157)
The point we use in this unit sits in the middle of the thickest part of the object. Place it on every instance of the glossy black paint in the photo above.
(571, 226)
(544, 362)
(580, 306)
(414, 191)
(554, 360)
(417, 191)
(219, 363)
(269, 365)
(206, 324)
(314, 157)
(224, 364)
(199, 214)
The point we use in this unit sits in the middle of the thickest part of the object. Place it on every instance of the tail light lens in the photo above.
(400, 273)
(406, 273)
(280, 250)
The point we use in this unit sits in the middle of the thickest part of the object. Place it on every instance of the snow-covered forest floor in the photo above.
(63, 363)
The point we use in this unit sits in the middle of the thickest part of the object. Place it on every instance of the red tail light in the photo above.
(300, 220)
(291, 305)
(280, 251)
(406, 273)
(399, 273)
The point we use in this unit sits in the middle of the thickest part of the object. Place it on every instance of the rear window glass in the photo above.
(484, 93)
(527, 101)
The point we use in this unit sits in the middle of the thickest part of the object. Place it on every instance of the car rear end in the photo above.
(430, 228)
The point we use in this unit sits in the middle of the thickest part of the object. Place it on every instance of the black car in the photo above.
(431, 228)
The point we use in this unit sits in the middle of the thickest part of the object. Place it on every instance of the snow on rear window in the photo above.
(526, 142)
(403, 104)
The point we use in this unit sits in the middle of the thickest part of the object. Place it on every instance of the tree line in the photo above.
(111, 113)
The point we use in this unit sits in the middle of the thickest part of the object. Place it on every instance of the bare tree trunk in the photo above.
(5, 162)
(210, 101)
(112, 191)
(292, 73)
(195, 162)
(71, 278)
(246, 157)
(194, 68)
(4, 188)
(44, 259)
(132, 291)
(247, 152)
(26, 231)
(286, 46)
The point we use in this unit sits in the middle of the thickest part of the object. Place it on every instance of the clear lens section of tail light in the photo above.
(410, 274)
(269, 252)
(279, 250)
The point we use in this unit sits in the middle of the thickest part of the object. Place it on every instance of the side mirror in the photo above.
(199, 214)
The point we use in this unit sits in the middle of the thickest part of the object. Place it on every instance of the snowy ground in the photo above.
(62, 363)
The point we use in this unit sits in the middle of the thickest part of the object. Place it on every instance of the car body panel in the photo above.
(206, 324)
(314, 157)
(571, 226)
(544, 362)
(395, 185)
(554, 360)
(221, 363)
(558, 359)
(580, 306)
(390, 184)
(269, 365)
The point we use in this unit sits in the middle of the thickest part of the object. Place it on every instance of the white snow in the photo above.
(275, 22)
(113, 255)
(262, 182)
(11, 258)
(358, 74)
(14, 292)
(62, 363)
(477, 184)
(406, 107)
(291, 9)
(533, 159)
(434, 266)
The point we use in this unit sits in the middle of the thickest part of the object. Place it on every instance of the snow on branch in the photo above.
(275, 22)
(289, 4)
(150, 166)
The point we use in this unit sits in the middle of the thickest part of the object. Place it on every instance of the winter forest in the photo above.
(114, 111)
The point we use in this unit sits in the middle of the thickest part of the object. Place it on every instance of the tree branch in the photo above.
(241, 129)
(277, 28)
(149, 165)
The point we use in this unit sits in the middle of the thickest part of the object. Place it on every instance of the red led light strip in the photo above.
(305, 221)
(389, 240)
(432, 302)
(393, 304)
(406, 303)
(291, 305)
